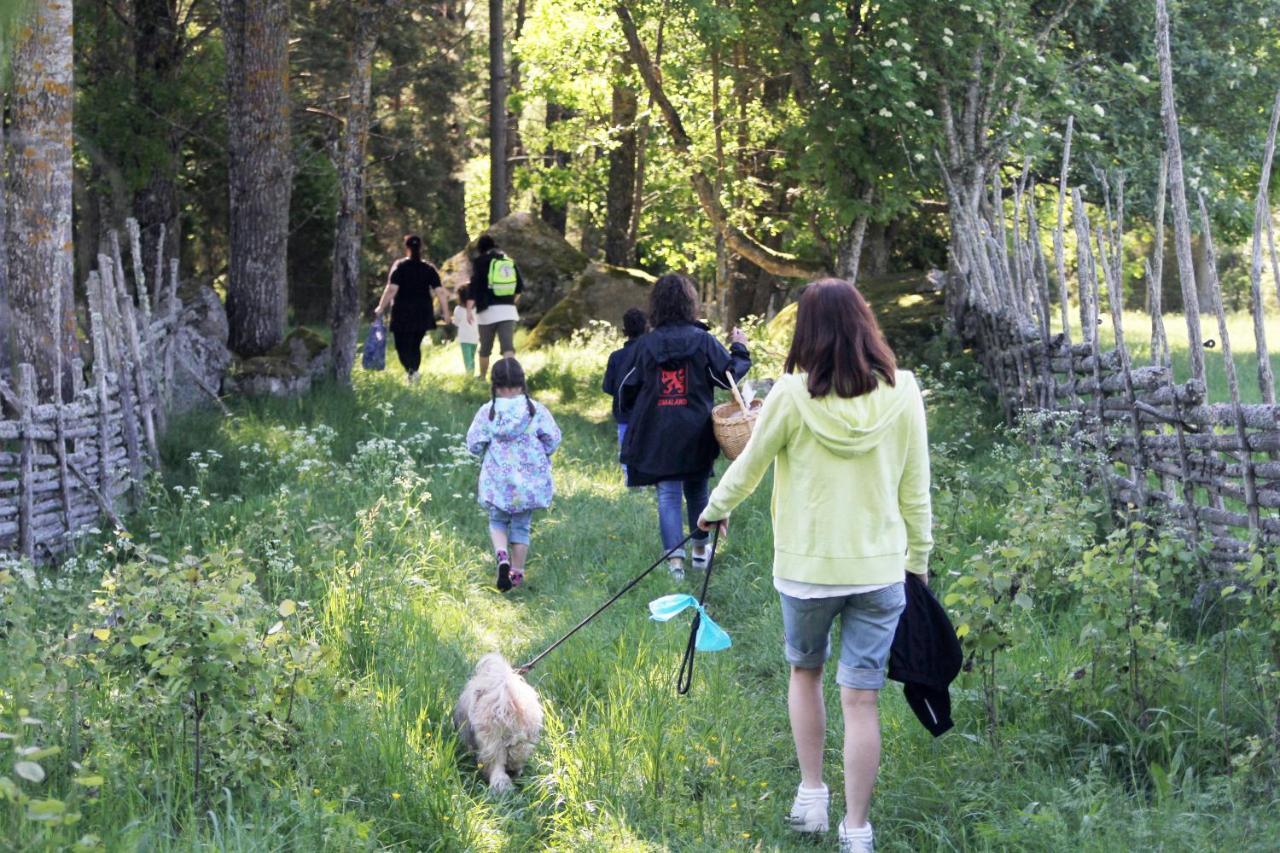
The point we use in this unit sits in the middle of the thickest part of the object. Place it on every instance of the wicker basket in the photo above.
(734, 421)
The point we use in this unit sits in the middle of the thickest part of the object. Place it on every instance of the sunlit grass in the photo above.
(1240, 332)
(354, 505)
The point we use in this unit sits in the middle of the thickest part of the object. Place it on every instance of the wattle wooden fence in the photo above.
(1211, 470)
(64, 465)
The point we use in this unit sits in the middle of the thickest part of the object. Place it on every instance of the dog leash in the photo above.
(528, 666)
(684, 679)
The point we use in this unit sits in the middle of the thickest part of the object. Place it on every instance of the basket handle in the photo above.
(737, 395)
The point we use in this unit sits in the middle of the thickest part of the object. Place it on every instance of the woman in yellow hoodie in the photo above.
(845, 431)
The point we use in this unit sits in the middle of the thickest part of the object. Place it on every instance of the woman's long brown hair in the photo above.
(838, 342)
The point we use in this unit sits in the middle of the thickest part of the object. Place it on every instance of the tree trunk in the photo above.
(344, 310)
(38, 232)
(157, 61)
(555, 212)
(497, 116)
(6, 319)
(876, 247)
(256, 34)
(514, 147)
(618, 246)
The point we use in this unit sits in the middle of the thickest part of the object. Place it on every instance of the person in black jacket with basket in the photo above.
(667, 395)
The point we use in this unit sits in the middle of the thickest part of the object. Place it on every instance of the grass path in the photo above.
(360, 507)
(396, 566)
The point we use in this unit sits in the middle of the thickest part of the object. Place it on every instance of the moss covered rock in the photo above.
(909, 307)
(286, 371)
(548, 264)
(602, 292)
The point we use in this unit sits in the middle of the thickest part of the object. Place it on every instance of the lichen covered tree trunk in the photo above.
(620, 195)
(344, 310)
(256, 33)
(38, 228)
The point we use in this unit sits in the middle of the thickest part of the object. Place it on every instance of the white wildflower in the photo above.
(911, 105)
(948, 41)
(891, 43)
(922, 74)
(1142, 78)
(886, 63)
(815, 18)
(1096, 69)
(1130, 67)
(1097, 108)
(886, 112)
(929, 113)
(1020, 80)
(919, 157)
(947, 31)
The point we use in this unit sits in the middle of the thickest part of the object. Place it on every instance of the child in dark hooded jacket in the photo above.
(515, 437)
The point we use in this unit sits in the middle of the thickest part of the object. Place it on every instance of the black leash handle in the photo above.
(684, 680)
(528, 666)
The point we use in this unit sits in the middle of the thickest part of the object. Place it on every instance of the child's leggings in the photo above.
(469, 357)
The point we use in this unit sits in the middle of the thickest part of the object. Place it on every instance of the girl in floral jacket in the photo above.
(515, 437)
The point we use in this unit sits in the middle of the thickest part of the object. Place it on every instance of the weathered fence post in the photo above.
(26, 461)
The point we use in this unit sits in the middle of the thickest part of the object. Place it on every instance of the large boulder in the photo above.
(601, 292)
(908, 306)
(200, 349)
(548, 264)
(287, 371)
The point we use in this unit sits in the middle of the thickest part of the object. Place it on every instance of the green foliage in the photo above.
(359, 507)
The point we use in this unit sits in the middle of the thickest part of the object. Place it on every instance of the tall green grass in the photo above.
(1138, 336)
(359, 506)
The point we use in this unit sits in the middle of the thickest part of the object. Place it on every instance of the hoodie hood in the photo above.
(677, 342)
(852, 426)
(511, 417)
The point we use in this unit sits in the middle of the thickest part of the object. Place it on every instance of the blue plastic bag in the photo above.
(375, 347)
(711, 637)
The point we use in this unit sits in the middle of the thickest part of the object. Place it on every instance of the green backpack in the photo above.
(502, 276)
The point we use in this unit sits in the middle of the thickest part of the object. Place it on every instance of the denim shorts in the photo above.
(867, 624)
(516, 524)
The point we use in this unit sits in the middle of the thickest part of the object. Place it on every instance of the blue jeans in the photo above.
(514, 524)
(695, 493)
(868, 622)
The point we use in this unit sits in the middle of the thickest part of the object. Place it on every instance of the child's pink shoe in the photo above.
(517, 577)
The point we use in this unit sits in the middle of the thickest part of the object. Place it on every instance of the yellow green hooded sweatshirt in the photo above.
(850, 485)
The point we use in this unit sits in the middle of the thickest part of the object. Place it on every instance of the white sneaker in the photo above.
(809, 810)
(676, 567)
(857, 840)
(701, 556)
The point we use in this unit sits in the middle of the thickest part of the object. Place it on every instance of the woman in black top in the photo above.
(667, 393)
(409, 293)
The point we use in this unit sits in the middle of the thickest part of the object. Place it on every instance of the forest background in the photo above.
(816, 128)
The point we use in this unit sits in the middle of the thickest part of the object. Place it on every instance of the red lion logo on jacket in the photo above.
(673, 387)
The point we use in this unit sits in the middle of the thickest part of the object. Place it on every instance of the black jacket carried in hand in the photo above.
(926, 656)
(667, 396)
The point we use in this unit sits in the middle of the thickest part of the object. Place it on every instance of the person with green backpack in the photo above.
(492, 294)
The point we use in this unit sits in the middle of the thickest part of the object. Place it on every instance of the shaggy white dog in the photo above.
(499, 719)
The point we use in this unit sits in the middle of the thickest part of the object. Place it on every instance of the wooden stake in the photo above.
(1228, 363)
(26, 465)
(1177, 191)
